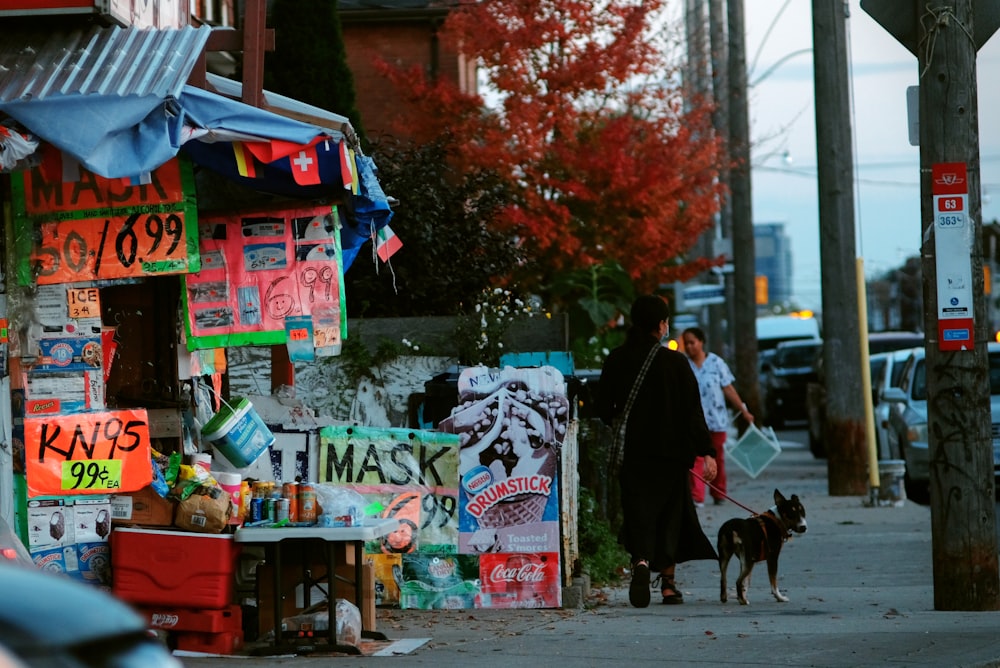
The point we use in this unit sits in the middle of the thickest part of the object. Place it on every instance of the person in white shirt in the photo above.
(715, 384)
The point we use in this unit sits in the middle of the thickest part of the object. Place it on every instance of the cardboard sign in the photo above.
(88, 453)
(72, 225)
(262, 268)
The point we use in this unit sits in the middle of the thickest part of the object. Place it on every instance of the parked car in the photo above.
(48, 620)
(908, 421)
(786, 375)
(878, 342)
(885, 374)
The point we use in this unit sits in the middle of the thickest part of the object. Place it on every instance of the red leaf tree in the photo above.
(610, 160)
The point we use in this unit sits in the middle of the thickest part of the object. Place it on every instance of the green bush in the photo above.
(602, 557)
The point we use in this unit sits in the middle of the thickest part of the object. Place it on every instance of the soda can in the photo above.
(281, 510)
(270, 509)
(307, 503)
(290, 490)
(256, 509)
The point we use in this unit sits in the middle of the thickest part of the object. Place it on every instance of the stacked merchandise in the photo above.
(70, 536)
(181, 575)
(183, 582)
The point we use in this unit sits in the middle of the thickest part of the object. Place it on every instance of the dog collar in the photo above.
(772, 514)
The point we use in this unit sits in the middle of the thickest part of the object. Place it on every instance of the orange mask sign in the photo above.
(98, 228)
(88, 453)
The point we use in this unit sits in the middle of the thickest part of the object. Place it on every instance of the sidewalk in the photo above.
(859, 580)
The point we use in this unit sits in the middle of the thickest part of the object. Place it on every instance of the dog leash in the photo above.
(749, 510)
(786, 532)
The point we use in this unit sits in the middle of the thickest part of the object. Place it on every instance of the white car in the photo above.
(908, 420)
(887, 369)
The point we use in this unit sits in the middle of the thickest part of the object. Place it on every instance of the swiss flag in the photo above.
(305, 166)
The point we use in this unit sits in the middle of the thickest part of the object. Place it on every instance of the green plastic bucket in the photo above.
(238, 432)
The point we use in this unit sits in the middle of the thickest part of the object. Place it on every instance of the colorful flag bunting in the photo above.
(245, 164)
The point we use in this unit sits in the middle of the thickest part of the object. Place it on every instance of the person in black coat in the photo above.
(664, 433)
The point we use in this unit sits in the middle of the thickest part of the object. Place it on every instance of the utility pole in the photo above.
(844, 429)
(719, 49)
(744, 254)
(699, 87)
(945, 36)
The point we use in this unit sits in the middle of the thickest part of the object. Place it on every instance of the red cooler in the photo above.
(173, 568)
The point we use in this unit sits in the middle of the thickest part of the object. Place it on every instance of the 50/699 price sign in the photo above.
(91, 227)
(137, 244)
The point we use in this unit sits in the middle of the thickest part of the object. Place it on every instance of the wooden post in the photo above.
(944, 36)
(744, 255)
(844, 429)
(963, 507)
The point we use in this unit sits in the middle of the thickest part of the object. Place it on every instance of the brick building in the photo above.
(403, 33)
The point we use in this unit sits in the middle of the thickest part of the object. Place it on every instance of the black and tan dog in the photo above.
(759, 538)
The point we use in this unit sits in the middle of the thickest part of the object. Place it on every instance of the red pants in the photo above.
(719, 484)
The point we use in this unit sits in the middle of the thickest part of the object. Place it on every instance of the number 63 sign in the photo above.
(88, 453)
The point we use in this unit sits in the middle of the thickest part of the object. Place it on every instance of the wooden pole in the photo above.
(844, 429)
(963, 507)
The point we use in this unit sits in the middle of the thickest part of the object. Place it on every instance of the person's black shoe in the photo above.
(671, 594)
(638, 590)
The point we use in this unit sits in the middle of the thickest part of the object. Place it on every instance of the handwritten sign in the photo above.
(261, 269)
(96, 228)
(412, 474)
(84, 302)
(88, 453)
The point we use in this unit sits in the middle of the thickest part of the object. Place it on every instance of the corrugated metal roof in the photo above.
(335, 124)
(105, 61)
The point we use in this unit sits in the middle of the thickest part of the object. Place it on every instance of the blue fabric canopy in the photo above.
(115, 100)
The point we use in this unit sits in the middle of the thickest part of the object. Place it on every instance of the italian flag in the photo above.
(386, 243)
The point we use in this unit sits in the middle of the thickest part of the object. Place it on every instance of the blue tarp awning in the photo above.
(115, 99)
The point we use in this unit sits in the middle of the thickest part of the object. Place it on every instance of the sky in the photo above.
(887, 186)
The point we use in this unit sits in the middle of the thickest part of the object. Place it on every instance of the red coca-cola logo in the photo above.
(529, 572)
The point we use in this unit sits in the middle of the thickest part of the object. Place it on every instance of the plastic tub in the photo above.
(238, 432)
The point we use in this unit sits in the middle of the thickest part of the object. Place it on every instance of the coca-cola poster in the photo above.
(520, 580)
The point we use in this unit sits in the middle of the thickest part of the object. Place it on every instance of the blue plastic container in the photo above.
(238, 432)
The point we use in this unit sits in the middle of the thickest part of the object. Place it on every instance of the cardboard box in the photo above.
(293, 591)
(173, 568)
(144, 507)
(50, 524)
